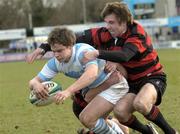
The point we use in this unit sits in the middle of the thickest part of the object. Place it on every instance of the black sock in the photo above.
(135, 124)
(156, 117)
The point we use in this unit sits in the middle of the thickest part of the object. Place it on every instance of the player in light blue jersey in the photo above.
(74, 68)
(68, 60)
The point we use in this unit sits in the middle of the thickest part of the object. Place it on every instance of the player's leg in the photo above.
(124, 128)
(91, 116)
(110, 120)
(149, 95)
(102, 104)
(79, 104)
(120, 88)
(123, 112)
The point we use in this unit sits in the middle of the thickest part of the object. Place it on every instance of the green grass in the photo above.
(18, 116)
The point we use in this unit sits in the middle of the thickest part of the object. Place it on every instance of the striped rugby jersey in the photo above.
(74, 68)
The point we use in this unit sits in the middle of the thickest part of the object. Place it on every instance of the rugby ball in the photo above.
(53, 88)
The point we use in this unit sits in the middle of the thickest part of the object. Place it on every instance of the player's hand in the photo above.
(41, 91)
(114, 78)
(34, 55)
(90, 55)
(61, 96)
(110, 66)
(117, 76)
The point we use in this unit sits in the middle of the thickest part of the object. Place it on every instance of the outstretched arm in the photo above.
(81, 37)
(123, 55)
(86, 79)
(38, 53)
(48, 72)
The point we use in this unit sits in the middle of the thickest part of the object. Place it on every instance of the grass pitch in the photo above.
(18, 116)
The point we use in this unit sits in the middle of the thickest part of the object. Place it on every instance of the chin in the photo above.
(60, 60)
(113, 34)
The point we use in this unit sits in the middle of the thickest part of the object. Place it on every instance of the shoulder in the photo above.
(52, 64)
(98, 29)
(137, 28)
(101, 33)
(82, 47)
(52, 61)
(79, 50)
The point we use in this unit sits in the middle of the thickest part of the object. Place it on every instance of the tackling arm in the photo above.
(114, 78)
(83, 36)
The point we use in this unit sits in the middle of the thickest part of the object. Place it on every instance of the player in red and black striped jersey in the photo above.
(125, 41)
(133, 49)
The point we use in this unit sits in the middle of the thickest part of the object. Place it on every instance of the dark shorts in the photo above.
(158, 80)
(78, 104)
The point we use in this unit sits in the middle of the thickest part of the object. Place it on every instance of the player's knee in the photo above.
(83, 119)
(86, 120)
(120, 113)
(88, 98)
(140, 106)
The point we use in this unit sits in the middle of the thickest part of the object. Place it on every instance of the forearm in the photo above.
(95, 91)
(85, 80)
(114, 56)
(34, 83)
(122, 70)
(125, 54)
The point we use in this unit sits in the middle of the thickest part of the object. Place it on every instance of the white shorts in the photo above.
(116, 91)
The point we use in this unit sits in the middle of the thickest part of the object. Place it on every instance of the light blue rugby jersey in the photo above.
(74, 68)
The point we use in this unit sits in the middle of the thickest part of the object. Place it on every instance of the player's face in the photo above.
(62, 53)
(112, 24)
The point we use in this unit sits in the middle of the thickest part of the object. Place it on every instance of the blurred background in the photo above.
(26, 24)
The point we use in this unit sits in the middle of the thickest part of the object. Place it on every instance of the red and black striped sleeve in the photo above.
(97, 37)
(81, 37)
(130, 48)
(123, 55)
(136, 46)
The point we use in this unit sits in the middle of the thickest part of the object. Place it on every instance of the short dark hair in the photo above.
(121, 11)
(61, 36)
